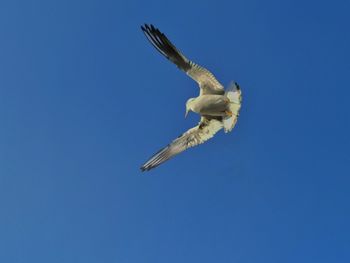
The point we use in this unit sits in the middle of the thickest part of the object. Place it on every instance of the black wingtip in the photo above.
(238, 87)
(144, 27)
(149, 28)
(145, 167)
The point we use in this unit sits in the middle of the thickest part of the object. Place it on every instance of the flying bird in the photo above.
(218, 108)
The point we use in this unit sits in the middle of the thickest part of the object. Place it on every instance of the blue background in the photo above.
(85, 100)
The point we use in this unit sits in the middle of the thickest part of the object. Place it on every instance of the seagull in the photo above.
(218, 108)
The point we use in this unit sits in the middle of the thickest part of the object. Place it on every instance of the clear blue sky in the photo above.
(85, 100)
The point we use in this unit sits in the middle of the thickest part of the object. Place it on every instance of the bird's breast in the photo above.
(210, 104)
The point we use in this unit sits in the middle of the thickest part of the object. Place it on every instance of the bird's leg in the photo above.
(228, 113)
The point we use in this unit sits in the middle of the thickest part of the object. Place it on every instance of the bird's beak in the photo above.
(186, 113)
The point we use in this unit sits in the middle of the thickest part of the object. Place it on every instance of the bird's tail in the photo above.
(234, 94)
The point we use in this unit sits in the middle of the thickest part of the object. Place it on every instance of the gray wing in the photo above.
(205, 130)
(205, 79)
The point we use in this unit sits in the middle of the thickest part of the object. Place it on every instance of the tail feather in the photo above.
(233, 93)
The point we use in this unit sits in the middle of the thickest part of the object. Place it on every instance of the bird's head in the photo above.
(189, 105)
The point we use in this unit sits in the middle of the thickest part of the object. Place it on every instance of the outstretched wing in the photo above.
(205, 79)
(205, 130)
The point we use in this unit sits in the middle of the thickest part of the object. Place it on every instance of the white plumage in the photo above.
(218, 109)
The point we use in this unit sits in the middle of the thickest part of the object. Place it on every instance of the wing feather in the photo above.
(205, 130)
(205, 79)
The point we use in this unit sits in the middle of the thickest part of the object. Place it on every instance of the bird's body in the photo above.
(211, 105)
(219, 109)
